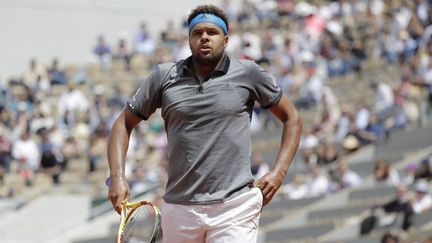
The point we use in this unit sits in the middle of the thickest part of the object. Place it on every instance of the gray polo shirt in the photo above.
(207, 124)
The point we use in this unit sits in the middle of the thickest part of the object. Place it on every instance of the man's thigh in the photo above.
(236, 220)
(181, 224)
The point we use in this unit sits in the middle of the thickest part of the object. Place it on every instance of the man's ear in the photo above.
(226, 38)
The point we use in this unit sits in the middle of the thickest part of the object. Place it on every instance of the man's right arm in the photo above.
(118, 144)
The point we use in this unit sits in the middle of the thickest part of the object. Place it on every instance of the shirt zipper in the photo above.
(200, 88)
(201, 83)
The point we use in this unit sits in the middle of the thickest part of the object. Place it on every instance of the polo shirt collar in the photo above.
(222, 68)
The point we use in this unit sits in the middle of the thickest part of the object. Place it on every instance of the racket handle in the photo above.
(108, 181)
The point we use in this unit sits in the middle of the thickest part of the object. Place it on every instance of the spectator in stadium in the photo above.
(362, 115)
(143, 42)
(6, 102)
(97, 146)
(25, 150)
(5, 153)
(331, 152)
(297, 189)
(55, 74)
(251, 48)
(51, 156)
(72, 103)
(102, 52)
(19, 121)
(96, 117)
(309, 141)
(327, 114)
(317, 182)
(247, 13)
(408, 111)
(42, 86)
(422, 199)
(389, 238)
(169, 35)
(424, 170)
(42, 117)
(399, 206)
(396, 212)
(383, 100)
(414, 33)
(408, 176)
(35, 72)
(349, 178)
(311, 90)
(71, 150)
(391, 46)
(122, 52)
(374, 130)
(5, 118)
(309, 138)
(102, 48)
(385, 174)
(335, 179)
(343, 124)
(326, 153)
(228, 7)
(208, 136)
(319, 152)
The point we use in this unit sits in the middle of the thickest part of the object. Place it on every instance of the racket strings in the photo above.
(141, 225)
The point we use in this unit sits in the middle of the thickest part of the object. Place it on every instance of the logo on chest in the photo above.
(227, 87)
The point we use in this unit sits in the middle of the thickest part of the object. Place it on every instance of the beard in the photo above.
(211, 59)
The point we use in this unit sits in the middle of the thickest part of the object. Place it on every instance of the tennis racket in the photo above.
(140, 222)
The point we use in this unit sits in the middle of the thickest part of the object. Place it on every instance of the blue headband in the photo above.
(208, 18)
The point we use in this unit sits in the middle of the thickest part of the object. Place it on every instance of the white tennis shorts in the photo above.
(235, 220)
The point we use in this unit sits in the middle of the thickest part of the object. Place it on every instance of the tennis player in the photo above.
(206, 103)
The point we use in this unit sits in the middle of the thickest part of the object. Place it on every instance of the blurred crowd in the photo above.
(302, 44)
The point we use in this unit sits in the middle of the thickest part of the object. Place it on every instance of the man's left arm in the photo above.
(285, 111)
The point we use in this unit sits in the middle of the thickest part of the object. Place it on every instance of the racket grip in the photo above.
(108, 181)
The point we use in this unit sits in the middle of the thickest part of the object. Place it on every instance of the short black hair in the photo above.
(209, 9)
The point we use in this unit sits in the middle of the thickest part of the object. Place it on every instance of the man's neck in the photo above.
(202, 71)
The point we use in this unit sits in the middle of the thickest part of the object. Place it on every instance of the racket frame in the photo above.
(128, 209)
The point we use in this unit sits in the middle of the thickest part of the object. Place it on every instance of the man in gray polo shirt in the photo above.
(206, 103)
